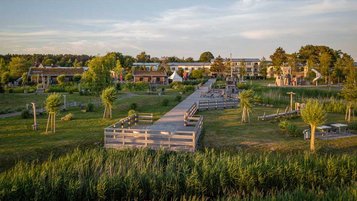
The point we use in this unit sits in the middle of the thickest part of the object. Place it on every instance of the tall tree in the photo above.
(218, 66)
(263, 67)
(189, 59)
(293, 61)
(349, 92)
(53, 103)
(3, 66)
(245, 101)
(108, 97)
(242, 70)
(206, 57)
(314, 115)
(18, 66)
(279, 57)
(143, 57)
(325, 63)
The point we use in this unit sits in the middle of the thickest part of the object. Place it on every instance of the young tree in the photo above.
(206, 57)
(197, 74)
(263, 67)
(242, 70)
(24, 79)
(245, 101)
(60, 79)
(349, 92)
(5, 77)
(108, 97)
(218, 66)
(279, 57)
(314, 115)
(18, 66)
(325, 63)
(52, 105)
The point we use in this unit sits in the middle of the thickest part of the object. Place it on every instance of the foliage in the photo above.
(242, 85)
(25, 114)
(245, 102)
(18, 66)
(165, 102)
(218, 66)
(349, 92)
(5, 77)
(206, 57)
(133, 106)
(136, 86)
(187, 88)
(108, 97)
(97, 174)
(178, 98)
(77, 78)
(197, 74)
(53, 102)
(314, 115)
(290, 129)
(67, 117)
(62, 88)
(143, 57)
(60, 79)
(176, 85)
(279, 57)
(24, 79)
(131, 112)
(129, 77)
(90, 107)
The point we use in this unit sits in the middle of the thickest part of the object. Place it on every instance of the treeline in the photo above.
(334, 65)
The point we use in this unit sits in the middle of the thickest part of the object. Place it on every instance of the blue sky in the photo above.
(245, 28)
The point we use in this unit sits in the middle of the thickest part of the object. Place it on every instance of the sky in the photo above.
(183, 28)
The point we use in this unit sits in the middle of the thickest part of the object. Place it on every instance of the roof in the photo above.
(55, 71)
(242, 59)
(145, 64)
(150, 73)
(189, 64)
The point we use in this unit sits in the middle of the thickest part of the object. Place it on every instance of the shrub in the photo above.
(165, 102)
(129, 77)
(293, 130)
(352, 126)
(283, 124)
(90, 107)
(25, 114)
(60, 79)
(133, 106)
(176, 85)
(131, 112)
(77, 78)
(178, 98)
(242, 86)
(137, 86)
(67, 117)
(188, 88)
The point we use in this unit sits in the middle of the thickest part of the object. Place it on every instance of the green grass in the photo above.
(223, 130)
(19, 142)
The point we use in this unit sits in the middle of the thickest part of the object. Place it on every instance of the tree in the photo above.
(60, 79)
(206, 57)
(98, 75)
(314, 115)
(325, 63)
(18, 66)
(218, 66)
(5, 77)
(197, 74)
(349, 92)
(263, 70)
(3, 66)
(77, 63)
(143, 57)
(77, 78)
(242, 70)
(48, 62)
(189, 59)
(245, 101)
(52, 105)
(128, 77)
(24, 79)
(279, 57)
(293, 61)
(108, 97)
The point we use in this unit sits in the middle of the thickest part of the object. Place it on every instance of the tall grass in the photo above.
(98, 174)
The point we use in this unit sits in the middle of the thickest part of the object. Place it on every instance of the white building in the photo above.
(252, 65)
(189, 66)
(147, 65)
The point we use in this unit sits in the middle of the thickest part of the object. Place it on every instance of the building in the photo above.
(147, 65)
(48, 75)
(251, 65)
(152, 77)
(188, 67)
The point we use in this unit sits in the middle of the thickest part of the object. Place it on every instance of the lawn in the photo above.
(223, 130)
(19, 142)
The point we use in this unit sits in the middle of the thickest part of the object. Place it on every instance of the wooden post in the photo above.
(34, 116)
(291, 99)
(64, 102)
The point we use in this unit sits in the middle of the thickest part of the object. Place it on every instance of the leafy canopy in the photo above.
(53, 102)
(313, 113)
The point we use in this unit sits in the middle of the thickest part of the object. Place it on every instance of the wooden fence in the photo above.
(217, 104)
(189, 118)
(278, 115)
(120, 138)
(132, 120)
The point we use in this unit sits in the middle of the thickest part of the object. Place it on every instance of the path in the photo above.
(174, 119)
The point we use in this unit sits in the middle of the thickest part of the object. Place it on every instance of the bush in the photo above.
(25, 114)
(131, 112)
(165, 102)
(352, 126)
(283, 124)
(242, 86)
(67, 117)
(137, 86)
(176, 85)
(133, 106)
(188, 88)
(178, 98)
(129, 77)
(90, 107)
(290, 129)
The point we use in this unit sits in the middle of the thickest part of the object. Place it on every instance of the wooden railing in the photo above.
(176, 141)
(189, 118)
(132, 120)
(217, 104)
(278, 115)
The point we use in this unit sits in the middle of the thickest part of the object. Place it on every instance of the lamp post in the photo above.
(34, 126)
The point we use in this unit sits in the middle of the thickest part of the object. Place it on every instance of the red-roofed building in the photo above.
(153, 77)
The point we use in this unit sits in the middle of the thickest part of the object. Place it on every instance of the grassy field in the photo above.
(223, 130)
(19, 142)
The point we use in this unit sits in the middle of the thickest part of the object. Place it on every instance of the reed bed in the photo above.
(99, 174)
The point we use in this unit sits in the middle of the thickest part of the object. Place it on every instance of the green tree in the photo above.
(189, 59)
(218, 66)
(77, 63)
(263, 67)
(349, 92)
(242, 70)
(98, 75)
(77, 78)
(52, 105)
(5, 77)
(197, 74)
(279, 57)
(337, 73)
(48, 62)
(245, 101)
(24, 79)
(314, 115)
(206, 57)
(108, 97)
(60, 79)
(293, 61)
(325, 63)
(143, 57)
(3, 66)
(128, 77)
(18, 66)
